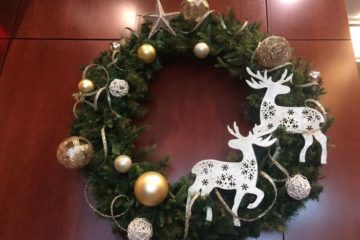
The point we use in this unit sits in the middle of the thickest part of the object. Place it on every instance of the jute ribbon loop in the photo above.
(81, 97)
(228, 209)
(221, 20)
(112, 215)
(277, 164)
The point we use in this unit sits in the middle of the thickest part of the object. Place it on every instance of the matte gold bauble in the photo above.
(194, 10)
(147, 53)
(151, 189)
(86, 86)
(75, 152)
(122, 163)
(201, 50)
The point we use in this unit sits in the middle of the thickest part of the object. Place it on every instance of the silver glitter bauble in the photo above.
(75, 152)
(315, 76)
(119, 88)
(139, 229)
(114, 46)
(298, 187)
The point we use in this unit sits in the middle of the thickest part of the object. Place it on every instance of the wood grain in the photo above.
(3, 48)
(337, 213)
(8, 10)
(308, 19)
(98, 19)
(39, 199)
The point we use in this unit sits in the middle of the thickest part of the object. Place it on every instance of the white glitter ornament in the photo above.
(298, 187)
(139, 229)
(119, 88)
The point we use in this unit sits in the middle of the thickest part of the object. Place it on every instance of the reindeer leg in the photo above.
(238, 197)
(259, 197)
(322, 139)
(209, 214)
(308, 141)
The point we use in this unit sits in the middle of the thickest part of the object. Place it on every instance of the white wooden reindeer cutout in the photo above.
(240, 176)
(302, 120)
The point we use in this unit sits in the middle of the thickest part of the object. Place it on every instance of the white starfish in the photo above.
(160, 20)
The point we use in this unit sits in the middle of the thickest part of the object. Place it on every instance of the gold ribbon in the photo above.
(81, 97)
(188, 214)
(318, 104)
(228, 209)
(219, 16)
(267, 177)
(112, 215)
(277, 164)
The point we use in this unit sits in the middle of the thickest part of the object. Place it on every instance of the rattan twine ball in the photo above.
(273, 51)
(139, 229)
(298, 187)
(119, 88)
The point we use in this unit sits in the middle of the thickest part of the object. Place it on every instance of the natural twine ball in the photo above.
(119, 88)
(75, 152)
(298, 187)
(139, 229)
(194, 10)
(273, 51)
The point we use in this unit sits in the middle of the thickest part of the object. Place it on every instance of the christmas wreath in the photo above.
(270, 182)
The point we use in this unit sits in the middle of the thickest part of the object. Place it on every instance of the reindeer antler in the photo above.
(235, 132)
(262, 79)
(285, 79)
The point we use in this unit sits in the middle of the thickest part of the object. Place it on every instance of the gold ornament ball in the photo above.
(86, 86)
(122, 163)
(147, 53)
(75, 152)
(201, 50)
(194, 10)
(151, 189)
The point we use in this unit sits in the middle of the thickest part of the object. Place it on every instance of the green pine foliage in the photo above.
(233, 52)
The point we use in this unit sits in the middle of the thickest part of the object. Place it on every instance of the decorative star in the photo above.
(160, 20)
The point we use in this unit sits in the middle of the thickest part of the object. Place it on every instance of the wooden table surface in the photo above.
(43, 44)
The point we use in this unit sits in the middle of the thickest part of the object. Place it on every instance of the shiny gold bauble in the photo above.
(75, 152)
(151, 189)
(201, 50)
(86, 86)
(146, 52)
(194, 10)
(273, 51)
(122, 163)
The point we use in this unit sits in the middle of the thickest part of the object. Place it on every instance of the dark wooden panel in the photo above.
(39, 199)
(106, 19)
(8, 10)
(337, 214)
(308, 19)
(3, 47)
